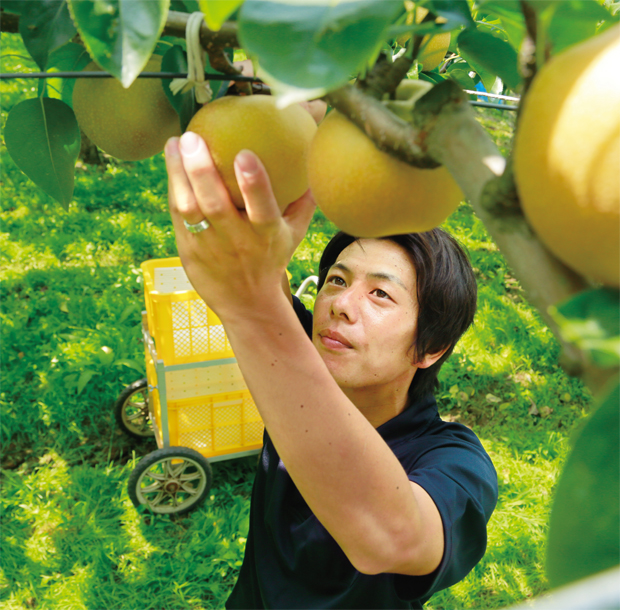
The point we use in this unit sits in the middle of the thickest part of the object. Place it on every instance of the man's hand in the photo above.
(239, 260)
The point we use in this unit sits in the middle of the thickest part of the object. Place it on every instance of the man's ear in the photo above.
(430, 359)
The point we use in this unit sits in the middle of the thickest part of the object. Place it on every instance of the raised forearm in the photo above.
(345, 471)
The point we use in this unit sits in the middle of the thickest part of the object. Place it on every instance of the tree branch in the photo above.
(389, 133)
(210, 40)
(445, 130)
(458, 141)
(9, 22)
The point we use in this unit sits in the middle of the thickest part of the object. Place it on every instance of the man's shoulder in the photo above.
(441, 443)
(450, 428)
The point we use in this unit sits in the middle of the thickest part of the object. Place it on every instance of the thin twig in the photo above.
(389, 133)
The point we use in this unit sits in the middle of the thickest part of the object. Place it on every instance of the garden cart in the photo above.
(193, 400)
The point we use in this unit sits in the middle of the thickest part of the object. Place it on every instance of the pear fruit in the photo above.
(567, 157)
(434, 48)
(369, 193)
(129, 124)
(280, 137)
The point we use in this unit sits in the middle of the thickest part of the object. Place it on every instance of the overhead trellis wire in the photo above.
(216, 76)
(98, 74)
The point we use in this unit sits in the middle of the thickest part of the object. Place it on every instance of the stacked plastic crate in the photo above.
(198, 397)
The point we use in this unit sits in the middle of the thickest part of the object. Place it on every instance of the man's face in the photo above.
(365, 318)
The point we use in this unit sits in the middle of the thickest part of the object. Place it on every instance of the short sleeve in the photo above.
(460, 478)
(305, 317)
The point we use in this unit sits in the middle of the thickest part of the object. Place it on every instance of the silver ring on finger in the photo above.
(203, 225)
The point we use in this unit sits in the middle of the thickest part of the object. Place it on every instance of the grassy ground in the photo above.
(71, 302)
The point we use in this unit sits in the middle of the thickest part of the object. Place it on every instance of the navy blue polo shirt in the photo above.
(291, 561)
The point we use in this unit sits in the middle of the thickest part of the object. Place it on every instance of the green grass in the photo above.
(71, 302)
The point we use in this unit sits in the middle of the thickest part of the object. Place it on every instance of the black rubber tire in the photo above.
(168, 488)
(131, 410)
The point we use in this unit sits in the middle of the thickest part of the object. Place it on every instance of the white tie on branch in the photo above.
(195, 63)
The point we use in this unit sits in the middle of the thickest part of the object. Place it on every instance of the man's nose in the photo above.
(346, 304)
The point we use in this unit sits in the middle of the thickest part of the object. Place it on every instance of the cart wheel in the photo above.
(132, 410)
(174, 480)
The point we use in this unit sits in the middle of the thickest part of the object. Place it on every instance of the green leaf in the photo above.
(43, 138)
(184, 6)
(128, 311)
(106, 356)
(13, 6)
(488, 79)
(71, 57)
(456, 12)
(306, 49)
(216, 12)
(583, 532)
(511, 18)
(572, 21)
(499, 8)
(591, 320)
(45, 25)
(132, 364)
(491, 54)
(120, 35)
(461, 76)
(432, 77)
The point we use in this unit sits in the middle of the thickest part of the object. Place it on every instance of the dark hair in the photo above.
(446, 293)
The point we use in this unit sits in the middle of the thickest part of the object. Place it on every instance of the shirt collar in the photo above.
(412, 422)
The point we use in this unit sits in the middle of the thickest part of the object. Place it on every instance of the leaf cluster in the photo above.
(302, 50)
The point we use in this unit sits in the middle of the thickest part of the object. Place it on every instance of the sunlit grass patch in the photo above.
(513, 566)
(74, 540)
(72, 294)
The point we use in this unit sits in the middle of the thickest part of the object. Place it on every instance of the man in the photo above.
(364, 498)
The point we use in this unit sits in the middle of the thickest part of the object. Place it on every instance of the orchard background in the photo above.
(536, 377)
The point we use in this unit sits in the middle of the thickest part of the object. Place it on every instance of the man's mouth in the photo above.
(334, 340)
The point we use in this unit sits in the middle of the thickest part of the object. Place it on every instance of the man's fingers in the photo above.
(255, 186)
(180, 194)
(209, 190)
(299, 214)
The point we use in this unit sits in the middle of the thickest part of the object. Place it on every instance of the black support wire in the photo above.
(98, 74)
(166, 75)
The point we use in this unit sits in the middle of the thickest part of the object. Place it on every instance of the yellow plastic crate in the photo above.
(183, 327)
(213, 425)
(196, 380)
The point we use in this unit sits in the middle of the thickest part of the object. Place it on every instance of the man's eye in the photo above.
(334, 279)
(381, 293)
